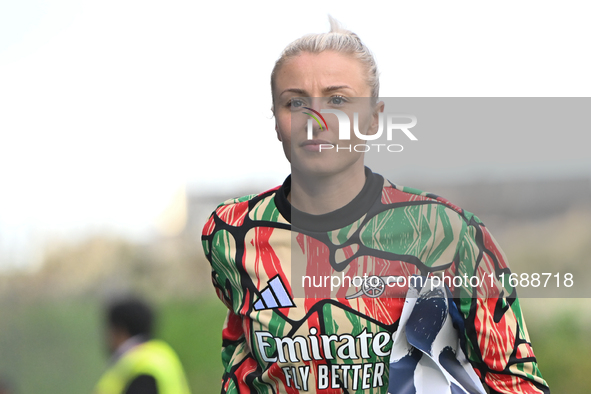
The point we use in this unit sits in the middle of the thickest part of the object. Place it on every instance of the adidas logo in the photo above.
(274, 296)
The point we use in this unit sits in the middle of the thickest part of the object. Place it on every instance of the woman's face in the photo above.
(327, 80)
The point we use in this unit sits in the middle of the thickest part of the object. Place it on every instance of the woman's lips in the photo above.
(316, 145)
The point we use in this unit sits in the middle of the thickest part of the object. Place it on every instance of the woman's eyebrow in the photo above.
(333, 88)
(302, 92)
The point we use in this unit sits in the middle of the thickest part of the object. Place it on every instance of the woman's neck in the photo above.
(318, 195)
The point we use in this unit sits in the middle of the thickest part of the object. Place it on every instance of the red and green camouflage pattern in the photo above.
(323, 342)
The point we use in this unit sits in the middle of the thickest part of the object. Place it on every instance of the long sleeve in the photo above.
(238, 362)
(497, 341)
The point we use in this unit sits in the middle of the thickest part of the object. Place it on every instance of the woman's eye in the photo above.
(337, 100)
(296, 103)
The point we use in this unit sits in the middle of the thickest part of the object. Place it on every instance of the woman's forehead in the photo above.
(317, 74)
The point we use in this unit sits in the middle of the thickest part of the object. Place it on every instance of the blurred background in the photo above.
(124, 123)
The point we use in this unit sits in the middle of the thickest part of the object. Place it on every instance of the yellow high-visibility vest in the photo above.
(154, 358)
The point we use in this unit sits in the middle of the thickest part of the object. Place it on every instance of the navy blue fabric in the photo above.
(402, 374)
(426, 320)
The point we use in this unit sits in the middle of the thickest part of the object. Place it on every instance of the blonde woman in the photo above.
(334, 216)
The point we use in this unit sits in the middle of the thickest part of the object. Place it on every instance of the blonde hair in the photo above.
(338, 39)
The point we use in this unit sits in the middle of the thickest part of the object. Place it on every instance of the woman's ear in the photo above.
(375, 122)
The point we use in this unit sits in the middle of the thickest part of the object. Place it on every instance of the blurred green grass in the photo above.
(56, 347)
(562, 347)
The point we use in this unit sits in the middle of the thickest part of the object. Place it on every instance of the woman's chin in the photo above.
(323, 166)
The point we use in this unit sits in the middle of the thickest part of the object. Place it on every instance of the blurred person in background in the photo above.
(139, 364)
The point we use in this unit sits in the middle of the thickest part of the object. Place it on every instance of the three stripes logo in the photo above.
(274, 296)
